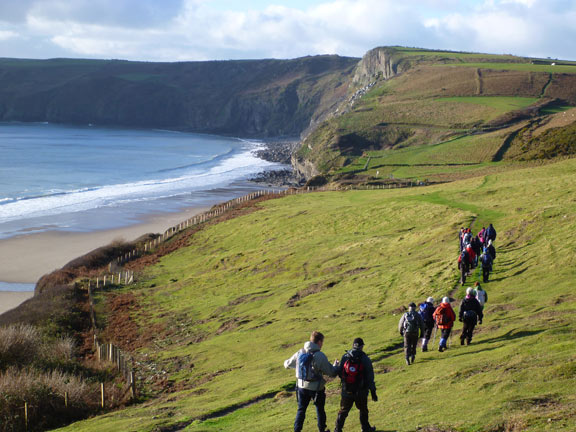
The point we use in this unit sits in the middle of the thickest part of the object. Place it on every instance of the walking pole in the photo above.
(451, 333)
(435, 329)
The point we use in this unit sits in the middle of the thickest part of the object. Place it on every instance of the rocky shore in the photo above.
(279, 151)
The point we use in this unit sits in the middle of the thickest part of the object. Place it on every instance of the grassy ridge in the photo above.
(245, 293)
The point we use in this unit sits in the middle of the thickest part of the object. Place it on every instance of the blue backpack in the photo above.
(426, 311)
(304, 369)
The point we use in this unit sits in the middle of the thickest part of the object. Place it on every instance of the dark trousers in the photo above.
(445, 334)
(429, 326)
(467, 331)
(485, 273)
(410, 342)
(346, 403)
(304, 398)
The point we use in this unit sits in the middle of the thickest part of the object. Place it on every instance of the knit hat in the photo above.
(412, 305)
(358, 343)
(430, 299)
(446, 300)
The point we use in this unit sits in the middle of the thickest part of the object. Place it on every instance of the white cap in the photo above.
(445, 300)
(430, 299)
(469, 290)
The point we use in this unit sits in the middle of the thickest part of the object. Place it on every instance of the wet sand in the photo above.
(25, 259)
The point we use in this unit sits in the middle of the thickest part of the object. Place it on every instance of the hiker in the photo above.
(463, 265)
(472, 258)
(482, 235)
(486, 265)
(470, 314)
(491, 233)
(461, 238)
(467, 236)
(476, 247)
(426, 312)
(481, 295)
(411, 326)
(357, 378)
(444, 316)
(491, 250)
(310, 364)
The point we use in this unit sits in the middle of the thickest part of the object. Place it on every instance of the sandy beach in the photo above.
(26, 258)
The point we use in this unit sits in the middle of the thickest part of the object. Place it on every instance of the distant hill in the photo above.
(409, 107)
(246, 98)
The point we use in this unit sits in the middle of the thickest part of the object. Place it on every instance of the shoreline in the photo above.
(48, 251)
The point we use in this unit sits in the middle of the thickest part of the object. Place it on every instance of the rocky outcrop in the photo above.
(304, 167)
(378, 63)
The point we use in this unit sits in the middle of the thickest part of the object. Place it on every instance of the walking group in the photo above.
(427, 319)
(357, 377)
(355, 368)
(474, 248)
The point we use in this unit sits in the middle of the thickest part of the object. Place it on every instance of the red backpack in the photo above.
(352, 374)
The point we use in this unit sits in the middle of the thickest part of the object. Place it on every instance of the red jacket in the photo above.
(446, 311)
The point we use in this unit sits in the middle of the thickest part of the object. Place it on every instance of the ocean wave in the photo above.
(234, 167)
(212, 159)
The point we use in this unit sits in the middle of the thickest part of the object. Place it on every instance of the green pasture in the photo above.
(525, 67)
(501, 104)
(244, 295)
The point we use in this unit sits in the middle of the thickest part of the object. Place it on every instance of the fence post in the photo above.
(132, 385)
(26, 415)
(102, 394)
(66, 399)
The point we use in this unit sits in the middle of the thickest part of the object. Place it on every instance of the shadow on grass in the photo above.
(511, 335)
(389, 351)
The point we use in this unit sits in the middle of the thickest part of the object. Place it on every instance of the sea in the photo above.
(81, 179)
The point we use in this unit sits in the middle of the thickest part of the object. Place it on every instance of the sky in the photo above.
(183, 30)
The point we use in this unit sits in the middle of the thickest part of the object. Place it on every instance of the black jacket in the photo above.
(368, 380)
(470, 303)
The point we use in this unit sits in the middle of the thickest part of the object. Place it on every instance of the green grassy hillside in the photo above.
(222, 313)
(427, 98)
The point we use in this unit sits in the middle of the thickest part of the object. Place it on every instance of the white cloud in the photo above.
(197, 30)
(7, 34)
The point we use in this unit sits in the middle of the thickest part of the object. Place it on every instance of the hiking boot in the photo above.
(461, 341)
(412, 359)
(440, 348)
(469, 341)
(407, 361)
(424, 348)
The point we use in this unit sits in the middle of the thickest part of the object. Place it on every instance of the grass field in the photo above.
(524, 67)
(501, 104)
(226, 310)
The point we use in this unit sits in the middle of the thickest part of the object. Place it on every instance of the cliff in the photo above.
(246, 98)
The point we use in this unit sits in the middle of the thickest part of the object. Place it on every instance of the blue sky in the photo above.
(178, 30)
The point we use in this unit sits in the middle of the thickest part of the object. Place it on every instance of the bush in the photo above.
(44, 393)
(24, 344)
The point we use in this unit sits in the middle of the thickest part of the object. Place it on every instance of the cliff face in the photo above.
(245, 98)
(378, 63)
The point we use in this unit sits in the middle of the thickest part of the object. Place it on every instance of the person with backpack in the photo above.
(444, 316)
(426, 311)
(357, 378)
(470, 314)
(411, 326)
(311, 364)
(463, 265)
(481, 295)
(491, 250)
(482, 236)
(486, 259)
(491, 233)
